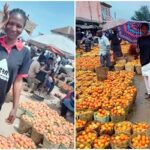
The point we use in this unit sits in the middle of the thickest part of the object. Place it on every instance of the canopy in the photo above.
(67, 31)
(112, 24)
(55, 42)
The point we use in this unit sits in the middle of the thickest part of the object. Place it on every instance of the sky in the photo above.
(126, 9)
(47, 15)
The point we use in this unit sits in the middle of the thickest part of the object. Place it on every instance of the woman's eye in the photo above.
(19, 26)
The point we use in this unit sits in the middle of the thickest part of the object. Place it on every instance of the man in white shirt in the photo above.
(104, 49)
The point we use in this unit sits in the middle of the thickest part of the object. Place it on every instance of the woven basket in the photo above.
(20, 112)
(121, 61)
(49, 145)
(124, 145)
(62, 146)
(125, 131)
(101, 119)
(87, 144)
(138, 70)
(140, 132)
(117, 119)
(129, 68)
(95, 129)
(86, 116)
(30, 114)
(108, 146)
(101, 73)
(36, 136)
(119, 68)
(110, 132)
(132, 147)
(72, 145)
(130, 58)
(24, 126)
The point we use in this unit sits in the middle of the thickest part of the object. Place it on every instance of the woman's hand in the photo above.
(12, 116)
(6, 16)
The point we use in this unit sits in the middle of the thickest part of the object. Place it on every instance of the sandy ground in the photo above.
(52, 101)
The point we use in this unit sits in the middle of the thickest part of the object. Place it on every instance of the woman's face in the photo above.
(144, 30)
(15, 26)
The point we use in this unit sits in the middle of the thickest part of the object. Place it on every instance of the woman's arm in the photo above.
(17, 87)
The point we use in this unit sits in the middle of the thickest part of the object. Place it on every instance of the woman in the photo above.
(115, 44)
(14, 58)
(67, 104)
(143, 48)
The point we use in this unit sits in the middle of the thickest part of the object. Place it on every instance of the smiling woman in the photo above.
(14, 58)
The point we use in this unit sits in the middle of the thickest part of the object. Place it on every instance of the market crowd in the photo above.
(108, 42)
(47, 66)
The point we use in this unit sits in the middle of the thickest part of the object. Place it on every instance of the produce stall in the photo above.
(37, 126)
(44, 125)
(103, 107)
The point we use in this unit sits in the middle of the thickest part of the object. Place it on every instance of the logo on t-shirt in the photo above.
(4, 74)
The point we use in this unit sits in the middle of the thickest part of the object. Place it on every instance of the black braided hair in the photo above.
(145, 24)
(21, 12)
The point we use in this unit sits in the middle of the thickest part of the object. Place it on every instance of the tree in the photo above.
(143, 14)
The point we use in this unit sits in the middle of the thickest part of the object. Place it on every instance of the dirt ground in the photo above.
(141, 109)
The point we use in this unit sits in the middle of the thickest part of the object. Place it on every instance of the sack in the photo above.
(101, 73)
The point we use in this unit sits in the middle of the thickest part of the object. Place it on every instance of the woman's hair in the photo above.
(144, 24)
(21, 12)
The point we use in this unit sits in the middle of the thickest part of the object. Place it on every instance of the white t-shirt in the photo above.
(34, 69)
(104, 45)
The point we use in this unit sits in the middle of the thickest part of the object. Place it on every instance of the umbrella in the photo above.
(112, 24)
(54, 50)
(130, 31)
(55, 43)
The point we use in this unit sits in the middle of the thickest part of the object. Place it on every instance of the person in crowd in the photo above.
(143, 48)
(67, 103)
(57, 64)
(33, 51)
(42, 57)
(115, 44)
(64, 61)
(50, 64)
(88, 44)
(41, 76)
(14, 58)
(66, 74)
(104, 45)
(79, 36)
(49, 83)
(33, 70)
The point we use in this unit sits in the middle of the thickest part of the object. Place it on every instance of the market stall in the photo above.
(104, 107)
